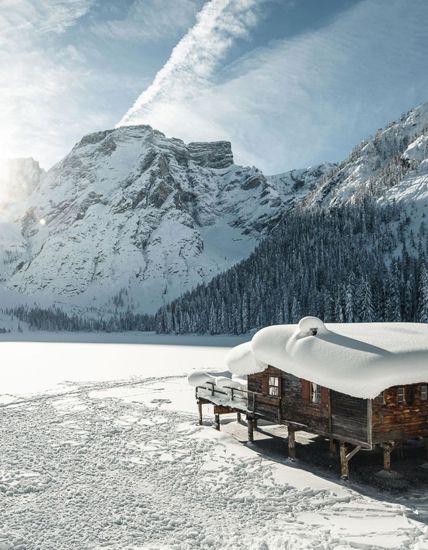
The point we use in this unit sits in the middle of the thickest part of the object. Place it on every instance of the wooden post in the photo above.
(426, 447)
(217, 421)
(291, 443)
(344, 466)
(238, 417)
(255, 424)
(250, 428)
(387, 450)
(200, 412)
(332, 446)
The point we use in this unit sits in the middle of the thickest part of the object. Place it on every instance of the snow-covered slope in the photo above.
(293, 186)
(132, 218)
(391, 165)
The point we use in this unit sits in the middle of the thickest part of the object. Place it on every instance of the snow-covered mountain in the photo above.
(132, 218)
(393, 165)
(340, 255)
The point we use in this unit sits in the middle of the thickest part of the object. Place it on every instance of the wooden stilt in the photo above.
(238, 417)
(250, 429)
(200, 412)
(255, 423)
(387, 450)
(426, 447)
(291, 443)
(332, 446)
(344, 467)
(217, 421)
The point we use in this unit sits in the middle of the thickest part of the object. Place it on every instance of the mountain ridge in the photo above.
(132, 219)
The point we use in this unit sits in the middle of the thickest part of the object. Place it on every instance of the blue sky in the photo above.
(290, 83)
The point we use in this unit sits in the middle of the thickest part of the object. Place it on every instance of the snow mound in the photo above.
(241, 360)
(220, 389)
(358, 359)
(200, 378)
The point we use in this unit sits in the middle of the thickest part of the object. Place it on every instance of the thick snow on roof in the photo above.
(359, 359)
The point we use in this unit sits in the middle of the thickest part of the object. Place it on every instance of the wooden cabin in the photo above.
(397, 414)
(353, 407)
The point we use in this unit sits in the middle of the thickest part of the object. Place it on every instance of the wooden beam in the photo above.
(344, 466)
(387, 450)
(238, 417)
(250, 428)
(221, 409)
(255, 424)
(200, 413)
(217, 421)
(332, 446)
(291, 443)
(353, 452)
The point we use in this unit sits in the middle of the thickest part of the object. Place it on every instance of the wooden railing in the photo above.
(251, 395)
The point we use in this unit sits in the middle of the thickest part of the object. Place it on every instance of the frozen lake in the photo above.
(100, 450)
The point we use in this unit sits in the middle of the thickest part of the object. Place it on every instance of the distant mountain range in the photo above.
(130, 220)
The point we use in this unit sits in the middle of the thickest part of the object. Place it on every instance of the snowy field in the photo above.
(100, 449)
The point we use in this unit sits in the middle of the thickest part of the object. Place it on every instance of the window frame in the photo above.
(423, 392)
(315, 393)
(273, 383)
(401, 394)
(380, 399)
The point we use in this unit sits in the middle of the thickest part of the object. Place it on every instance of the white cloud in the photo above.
(196, 57)
(42, 82)
(23, 21)
(149, 20)
(297, 101)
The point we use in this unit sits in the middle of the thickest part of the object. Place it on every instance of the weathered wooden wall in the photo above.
(290, 407)
(296, 409)
(395, 421)
(342, 416)
(265, 405)
(349, 417)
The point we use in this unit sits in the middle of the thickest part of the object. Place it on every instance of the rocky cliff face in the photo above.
(392, 165)
(133, 219)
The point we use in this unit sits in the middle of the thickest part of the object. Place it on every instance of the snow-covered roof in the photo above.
(359, 359)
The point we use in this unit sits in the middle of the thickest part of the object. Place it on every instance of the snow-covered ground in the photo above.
(100, 449)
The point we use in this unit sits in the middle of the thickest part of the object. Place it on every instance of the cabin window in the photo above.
(380, 399)
(424, 392)
(315, 393)
(401, 394)
(273, 386)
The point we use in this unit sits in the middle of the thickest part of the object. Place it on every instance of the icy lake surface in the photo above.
(101, 450)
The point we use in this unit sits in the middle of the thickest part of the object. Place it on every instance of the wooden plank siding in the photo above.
(396, 421)
(297, 407)
(264, 405)
(291, 407)
(354, 420)
(349, 420)
(336, 415)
